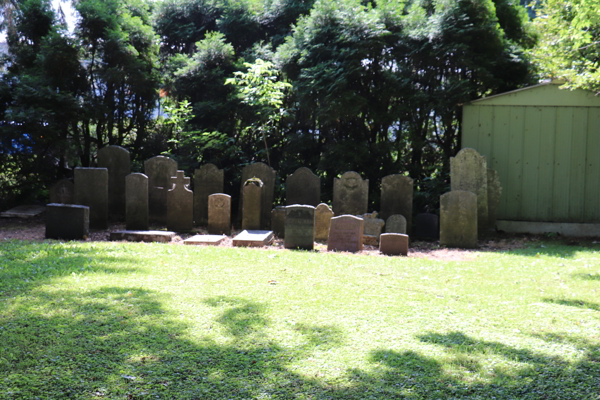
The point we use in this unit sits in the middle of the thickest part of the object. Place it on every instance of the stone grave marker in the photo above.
(299, 227)
(427, 226)
(350, 194)
(24, 211)
(393, 244)
(251, 213)
(143, 236)
(207, 240)
(468, 172)
(116, 160)
(494, 193)
(323, 215)
(159, 170)
(303, 187)
(373, 227)
(208, 179)
(458, 219)
(395, 224)
(67, 221)
(397, 197)
(136, 202)
(267, 176)
(252, 238)
(91, 189)
(180, 205)
(62, 192)
(219, 214)
(278, 221)
(346, 234)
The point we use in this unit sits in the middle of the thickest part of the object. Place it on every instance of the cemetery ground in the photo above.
(114, 320)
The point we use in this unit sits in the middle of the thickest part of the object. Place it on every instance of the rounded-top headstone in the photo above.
(303, 187)
(350, 194)
(395, 224)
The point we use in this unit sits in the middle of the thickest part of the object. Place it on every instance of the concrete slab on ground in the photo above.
(27, 211)
(211, 240)
(143, 236)
(253, 238)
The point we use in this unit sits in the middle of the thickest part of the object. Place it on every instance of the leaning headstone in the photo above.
(458, 219)
(267, 176)
(136, 202)
(494, 193)
(299, 227)
(468, 171)
(350, 194)
(116, 160)
(67, 221)
(427, 226)
(180, 202)
(397, 197)
(346, 234)
(253, 238)
(251, 213)
(323, 215)
(219, 214)
(303, 187)
(159, 170)
(208, 179)
(91, 189)
(393, 244)
(395, 224)
(278, 221)
(62, 192)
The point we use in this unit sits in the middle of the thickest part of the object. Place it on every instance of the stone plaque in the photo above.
(159, 170)
(67, 221)
(267, 176)
(393, 244)
(468, 172)
(303, 187)
(207, 240)
(208, 179)
(395, 224)
(136, 202)
(278, 221)
(253, 238)
(397, 197)
(219, 214)
(350, 194)
(323, 215)
(299, 227)
(251, 213)
(91, 189)
(458, 219)
(180, 202)
(427, 226)
(116, 160)
(62, 192)
(24, 211)
(346, 234)
(494, 193)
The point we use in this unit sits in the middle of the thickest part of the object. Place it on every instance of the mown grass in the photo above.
(149, 321)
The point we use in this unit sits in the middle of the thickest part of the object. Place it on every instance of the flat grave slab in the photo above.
(211, 240)
(143, 236)
(253, 238)
(28, 211)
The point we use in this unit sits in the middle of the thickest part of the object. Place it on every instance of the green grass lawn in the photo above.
(153, 321)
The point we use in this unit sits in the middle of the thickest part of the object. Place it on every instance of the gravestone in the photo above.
(219, 214)
(67, 221)
(24, 211)
(207, 240)
(136, 202)
(494, 193)
(267, 175)
(397, 197)
(458, 219)
(251, 213)
(323, 215)
(468, 172)
(180, 205)
(373, 227)
(91, 189)
(427, 226)
(278, 221)
(350, 194)
(208, 179)
(143, 236)
(159, 170)
(299, 227)
(395, 224)
(393, 244)
(346, 234)
(116, 160)
(303, 187)
(253, 238)
(62, 192)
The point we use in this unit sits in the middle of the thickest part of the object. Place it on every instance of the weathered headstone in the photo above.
(350, 194)
(67, 221)
(373, 225)
(299, 227)
(136, 202)
(393, 244)
(494, 193)
(278, 221)
(395, 224)
(116, 160)
(253, 238)
(180, 205)
(303, 187)
(208, 179)
(468, 172)
(427, 226)
(397, 197)
(458, 219)
(62, 192)
(159, 170)
(251, 213)
(219, 214)
(91, 189)
(323, 215)
(267, 176)
(346, 234)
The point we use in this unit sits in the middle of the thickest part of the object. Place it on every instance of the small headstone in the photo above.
(278, 221)
(67, 221)
(397, 197)
(91, 189)
(303, 187)
(219, 214)
(267, 176)
(427, 226)
(143, 236)
(253, 238)
(136, 202)
(370, 240)
(180, 203)
(159, 170)
(26, 211)
(393, 244)
(207, 240)
(62, 192)
(346, 234)
(494, 193)
(458, 219)
(299, 227)
(395, 224)
(468, 172)
(373, 225)
(208, 179)
(251, 213)
(116, 160)
(323, 215)
(350, 194)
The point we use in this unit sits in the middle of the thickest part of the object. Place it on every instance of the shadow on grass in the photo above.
(574, 303)
(587, 277)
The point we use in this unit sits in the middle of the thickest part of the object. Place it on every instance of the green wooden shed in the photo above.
(544, 142)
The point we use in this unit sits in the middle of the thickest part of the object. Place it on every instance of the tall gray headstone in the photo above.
(180, 202)
(427, 226)
(350, 194)
(62, 192)
(397, 197)
(116, 160)
(278, 221)
(323, 215)
(458, 219)
(160, 170)
(219, 214)
(91, 189)
(468, 171)
(251, 213)
(303, 187)
(208, 179)
(299, 227)
(346, 234)
(267, 176)
(494, 193)
(136, 202)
